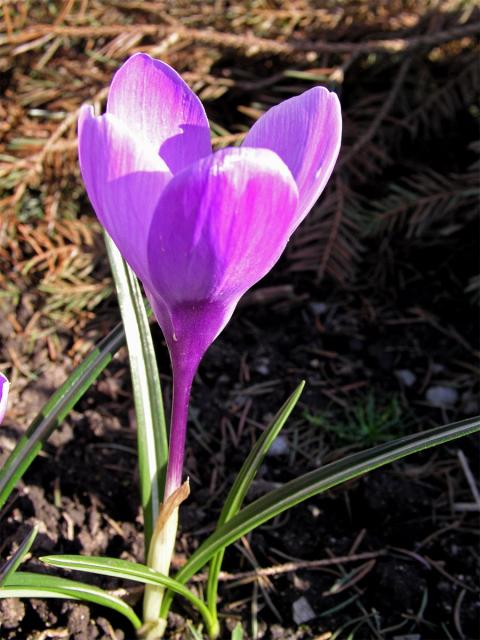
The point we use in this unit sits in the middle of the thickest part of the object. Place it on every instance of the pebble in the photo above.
(262, 366)
(302, 611)
(406, 377)
(318, 308)
(442, 397)
(279, 447)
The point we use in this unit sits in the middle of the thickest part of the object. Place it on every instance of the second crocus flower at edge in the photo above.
(4, 389)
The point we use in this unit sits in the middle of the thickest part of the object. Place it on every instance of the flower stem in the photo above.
(182, 384)
(163, 539)
(159, 558)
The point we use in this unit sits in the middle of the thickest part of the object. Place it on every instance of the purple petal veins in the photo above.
(4, 388)
(199, 228)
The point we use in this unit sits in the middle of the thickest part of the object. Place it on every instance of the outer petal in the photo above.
(221, 225)
(218, 228)
(124, 179)
(4, 388)
(156, 104)
(305, 131)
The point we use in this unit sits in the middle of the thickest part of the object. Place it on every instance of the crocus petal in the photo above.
(124, 178)
(155, 103)
(219, 227)
(305, 131)
(4, 387)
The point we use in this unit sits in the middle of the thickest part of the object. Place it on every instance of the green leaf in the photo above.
(36, 585)
(237, 632)
(147, 393)
(315, 482)
(56, 409)
(129, 571)
(14, 562)
(242, 484)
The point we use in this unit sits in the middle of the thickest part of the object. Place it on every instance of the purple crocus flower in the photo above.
(199, 228)
(4, 387)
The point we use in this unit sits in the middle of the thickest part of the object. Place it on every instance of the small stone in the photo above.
(262, 366)
(314, 510)
(302, 611)
(442, 397)
(318, 308)
(279, 447)
(406, 377)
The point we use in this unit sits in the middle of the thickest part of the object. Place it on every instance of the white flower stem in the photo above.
(159, 558)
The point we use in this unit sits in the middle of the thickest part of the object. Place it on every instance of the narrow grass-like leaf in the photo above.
(151, 428)
(129, 571)
(36, 585)
(56, 409)
(237, 632)
(14, 562)
(315, 482)
(194, 634)
(242, 484)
